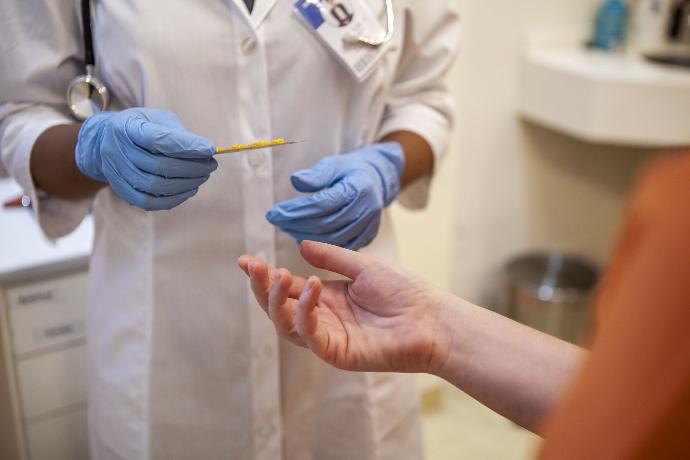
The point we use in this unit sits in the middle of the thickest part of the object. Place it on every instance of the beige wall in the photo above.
(508, 186)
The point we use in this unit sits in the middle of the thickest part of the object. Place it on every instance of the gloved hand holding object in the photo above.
(348, 193)
(149, 159)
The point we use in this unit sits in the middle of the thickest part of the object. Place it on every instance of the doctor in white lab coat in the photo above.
(181, 362)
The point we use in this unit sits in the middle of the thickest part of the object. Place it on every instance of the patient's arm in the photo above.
(517, 371)
(389, 320)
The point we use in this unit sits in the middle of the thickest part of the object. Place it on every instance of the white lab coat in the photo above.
(182, 363)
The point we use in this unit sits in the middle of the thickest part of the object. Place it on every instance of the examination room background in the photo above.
(507, 186)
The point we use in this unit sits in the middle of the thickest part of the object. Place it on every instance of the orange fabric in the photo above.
(632, 399)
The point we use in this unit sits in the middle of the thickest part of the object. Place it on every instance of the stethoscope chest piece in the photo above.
(87, 95)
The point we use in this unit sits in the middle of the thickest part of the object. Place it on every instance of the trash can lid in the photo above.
(553, 276)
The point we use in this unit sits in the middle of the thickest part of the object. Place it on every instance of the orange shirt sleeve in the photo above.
(632, 398)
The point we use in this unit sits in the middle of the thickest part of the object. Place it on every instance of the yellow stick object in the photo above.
(253, 146)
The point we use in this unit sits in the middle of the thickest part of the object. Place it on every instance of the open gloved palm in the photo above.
(346, 196)
(382, 320)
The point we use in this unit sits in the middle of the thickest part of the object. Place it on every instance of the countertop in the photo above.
(605, 98)
(26, 254)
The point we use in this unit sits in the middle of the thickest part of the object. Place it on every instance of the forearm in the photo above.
(419, 159)
(53, 167)
(515, 370)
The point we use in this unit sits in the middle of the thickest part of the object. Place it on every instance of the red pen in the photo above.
(21, 201)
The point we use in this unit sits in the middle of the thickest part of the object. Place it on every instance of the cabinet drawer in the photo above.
(52, 381)
(59, 438)
(47, 313)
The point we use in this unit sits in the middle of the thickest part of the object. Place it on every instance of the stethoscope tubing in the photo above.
(390, 30)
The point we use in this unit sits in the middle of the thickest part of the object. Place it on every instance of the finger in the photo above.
(298, 282)
(308, 318)
(297, 286)
(260, 282)
(279, 310)
(366, 235)
(140, 199)
(335, 259)
(160, 116)
(171, 141)
(169, 167)
(243, 263)
(151, 183)
(341, 237)
(322, 225)
(319, 204)
(323, 174)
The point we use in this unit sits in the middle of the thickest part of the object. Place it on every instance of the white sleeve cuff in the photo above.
(21, 125)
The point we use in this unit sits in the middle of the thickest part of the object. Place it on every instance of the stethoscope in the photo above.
(87, 95)
(353, 37)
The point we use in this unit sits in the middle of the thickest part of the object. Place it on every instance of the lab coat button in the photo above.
(248, 45)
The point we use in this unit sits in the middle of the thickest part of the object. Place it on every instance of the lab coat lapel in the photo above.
(241, 9)
(261, 10)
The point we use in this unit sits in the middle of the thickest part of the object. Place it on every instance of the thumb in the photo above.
(322, 175)
(167, 139)
(162, 117)
(334, 258)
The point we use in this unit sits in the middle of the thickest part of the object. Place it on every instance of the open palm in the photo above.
(382, 320)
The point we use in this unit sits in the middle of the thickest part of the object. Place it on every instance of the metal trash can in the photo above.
(552, 292)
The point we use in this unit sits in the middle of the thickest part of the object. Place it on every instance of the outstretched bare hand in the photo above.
(382, 320)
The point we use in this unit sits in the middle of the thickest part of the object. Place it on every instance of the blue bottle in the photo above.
(610, 25)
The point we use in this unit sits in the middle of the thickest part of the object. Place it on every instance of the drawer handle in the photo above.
(57, 331)
(34, 297)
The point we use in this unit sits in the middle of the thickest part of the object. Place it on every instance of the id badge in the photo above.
(334, 20)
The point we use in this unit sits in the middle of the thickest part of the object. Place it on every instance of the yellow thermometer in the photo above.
(254, 146)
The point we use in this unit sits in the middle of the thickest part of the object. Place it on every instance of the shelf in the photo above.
(603, 98)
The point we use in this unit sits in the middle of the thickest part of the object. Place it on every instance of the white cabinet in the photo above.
(59, 438)
(42, 337)
(47, 313)
(51, 382)
(44, 367)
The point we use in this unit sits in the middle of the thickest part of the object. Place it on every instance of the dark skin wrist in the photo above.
(419, 159)
(53, 167)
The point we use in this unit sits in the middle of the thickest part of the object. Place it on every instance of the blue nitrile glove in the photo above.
(348, 193)
(146, 156)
